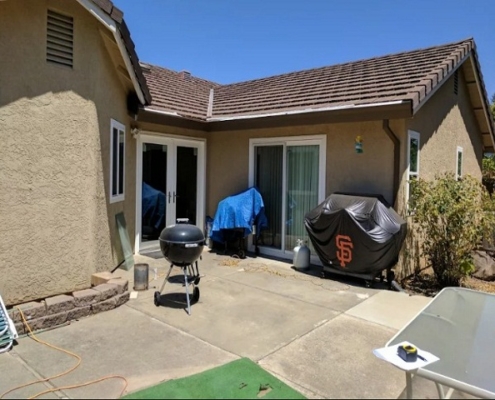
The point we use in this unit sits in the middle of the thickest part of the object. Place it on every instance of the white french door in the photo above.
(169, 185)
(289, 172)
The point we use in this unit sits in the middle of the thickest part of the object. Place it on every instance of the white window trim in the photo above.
(120, 197)
(459, 150)
(412, 135)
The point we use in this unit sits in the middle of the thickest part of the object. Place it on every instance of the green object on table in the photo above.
(240, 379)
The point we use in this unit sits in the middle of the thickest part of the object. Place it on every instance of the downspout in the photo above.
(396, 142)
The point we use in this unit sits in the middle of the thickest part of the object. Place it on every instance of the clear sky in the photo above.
(229, 41)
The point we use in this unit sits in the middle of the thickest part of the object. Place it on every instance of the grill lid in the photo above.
(182, 234)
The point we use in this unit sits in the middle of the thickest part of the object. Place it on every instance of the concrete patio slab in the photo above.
(336, 361)
(15, 372)
(315, 334)
(123, 342)
(246, 321)
(390, 309)
(298, 286)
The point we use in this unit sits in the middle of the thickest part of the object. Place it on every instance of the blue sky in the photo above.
(235, 40)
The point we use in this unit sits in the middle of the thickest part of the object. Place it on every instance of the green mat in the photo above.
(240, 379)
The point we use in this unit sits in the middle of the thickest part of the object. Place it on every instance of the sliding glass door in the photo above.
(302, 190)
(270, 185)
(290, 175)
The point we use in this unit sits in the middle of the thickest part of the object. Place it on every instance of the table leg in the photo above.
(441, 394)
(409, 393)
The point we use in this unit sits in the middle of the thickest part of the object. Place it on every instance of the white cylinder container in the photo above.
(301, 255)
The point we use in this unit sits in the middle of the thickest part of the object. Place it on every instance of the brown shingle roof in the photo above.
(407, 76)
(178, 92)
(403, 76)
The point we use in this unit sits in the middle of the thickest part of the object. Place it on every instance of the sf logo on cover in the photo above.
(344, 246)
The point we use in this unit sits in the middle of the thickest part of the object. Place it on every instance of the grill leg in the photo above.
(190, 269)
(187, 291)
(166, 278)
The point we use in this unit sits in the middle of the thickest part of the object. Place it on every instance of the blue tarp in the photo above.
(153, 204)
(239, 211)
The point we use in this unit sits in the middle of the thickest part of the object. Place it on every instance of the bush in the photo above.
(452, 217)
(488, 171)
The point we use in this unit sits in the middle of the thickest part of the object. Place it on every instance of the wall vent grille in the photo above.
(59, 39)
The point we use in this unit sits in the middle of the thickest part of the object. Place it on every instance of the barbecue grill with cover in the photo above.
(357, 235)
(235, 217)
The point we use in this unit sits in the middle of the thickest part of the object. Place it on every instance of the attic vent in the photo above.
(59, 39)
(456, 82)
(185, 75)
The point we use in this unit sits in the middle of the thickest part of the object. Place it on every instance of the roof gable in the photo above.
(113, 19)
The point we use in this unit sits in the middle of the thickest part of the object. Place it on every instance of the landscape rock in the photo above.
(484, 266)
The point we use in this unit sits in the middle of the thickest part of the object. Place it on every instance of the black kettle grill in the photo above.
(182, 245)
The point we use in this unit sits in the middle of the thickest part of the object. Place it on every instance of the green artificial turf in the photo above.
(240, 379)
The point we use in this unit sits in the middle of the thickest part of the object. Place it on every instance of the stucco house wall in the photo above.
(369, 172)
(56, 222)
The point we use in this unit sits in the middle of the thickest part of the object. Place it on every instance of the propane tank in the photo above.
(301, 255)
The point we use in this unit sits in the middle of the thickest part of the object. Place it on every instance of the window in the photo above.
(59, 39)
(458, 163)
(412, 160)
(117, 161)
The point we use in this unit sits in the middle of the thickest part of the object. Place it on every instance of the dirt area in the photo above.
(426, 285)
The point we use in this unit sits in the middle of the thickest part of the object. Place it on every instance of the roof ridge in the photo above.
(147, 65)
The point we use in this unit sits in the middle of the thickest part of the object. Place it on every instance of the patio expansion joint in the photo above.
(297, 337)
(284, 295)
(180, 330)
(345, 313)
(59, 393)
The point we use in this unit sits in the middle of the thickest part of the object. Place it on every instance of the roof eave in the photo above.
(114, 27)
(329, 109)
(482, 90)
(391, 110)
(149, 115)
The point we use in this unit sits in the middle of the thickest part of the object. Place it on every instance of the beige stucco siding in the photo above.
(56, 224)
(445, 122)
(369, 172)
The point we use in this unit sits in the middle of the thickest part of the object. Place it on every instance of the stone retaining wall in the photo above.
(60, 309)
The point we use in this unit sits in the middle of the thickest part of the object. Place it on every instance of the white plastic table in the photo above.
(458, 326)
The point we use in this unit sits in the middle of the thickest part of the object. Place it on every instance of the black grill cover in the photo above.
(360, 234)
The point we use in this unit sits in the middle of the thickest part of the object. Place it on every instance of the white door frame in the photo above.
(173, 141)
(286, 141)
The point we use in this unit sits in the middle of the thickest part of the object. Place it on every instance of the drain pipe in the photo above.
(394, 284)
(396, 142)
